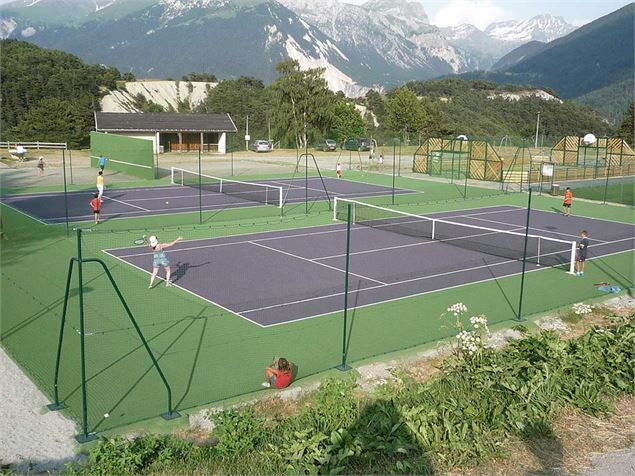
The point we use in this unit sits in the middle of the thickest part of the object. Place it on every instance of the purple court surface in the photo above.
(135, 202)
(283, 276)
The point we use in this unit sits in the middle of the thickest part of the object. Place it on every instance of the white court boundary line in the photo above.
(540, 229)
(314, 261)
(179, 287)
(124, 203)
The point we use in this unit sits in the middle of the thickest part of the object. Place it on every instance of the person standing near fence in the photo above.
(568, 199)
(102, 162)
(100, 185)
(40, 167)
(583, 246)
(95, 204)
(338, 169)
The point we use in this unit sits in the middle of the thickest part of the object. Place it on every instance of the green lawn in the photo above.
(207, 353)
(615, 193)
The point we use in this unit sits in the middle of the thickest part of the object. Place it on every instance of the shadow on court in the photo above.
(182, 269)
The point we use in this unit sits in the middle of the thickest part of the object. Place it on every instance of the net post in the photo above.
(172, 176)
(538, 252)
(572, 260)
(280, 199)
(85, 436)
(343, 366)
(434, 223)
(394, 151)
(200, 190)
(335, 209)
(65, 193)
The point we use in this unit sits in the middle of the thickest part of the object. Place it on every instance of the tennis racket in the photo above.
(142, 240)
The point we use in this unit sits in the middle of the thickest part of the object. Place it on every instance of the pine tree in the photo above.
(626, 130)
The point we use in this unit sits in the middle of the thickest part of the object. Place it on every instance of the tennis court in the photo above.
(278, 277)
(183, 197)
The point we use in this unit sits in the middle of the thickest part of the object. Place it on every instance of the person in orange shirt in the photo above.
(568, 198)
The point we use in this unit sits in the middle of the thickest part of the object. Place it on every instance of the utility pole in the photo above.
(537, 128)
(247, 134)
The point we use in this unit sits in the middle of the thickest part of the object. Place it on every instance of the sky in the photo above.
(483, 12)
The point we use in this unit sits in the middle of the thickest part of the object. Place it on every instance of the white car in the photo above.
(261, 146)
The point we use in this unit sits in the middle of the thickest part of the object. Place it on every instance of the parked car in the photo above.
(359, 144)
(350, 144)
(327, 145)
(261, 146)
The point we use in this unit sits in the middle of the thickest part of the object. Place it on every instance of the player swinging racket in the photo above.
(160, 259)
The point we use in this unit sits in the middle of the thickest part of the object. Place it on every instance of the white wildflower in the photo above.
(458, 308)
(581, 309)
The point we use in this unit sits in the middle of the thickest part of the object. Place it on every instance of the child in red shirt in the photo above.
(95, 204)
(278, 374)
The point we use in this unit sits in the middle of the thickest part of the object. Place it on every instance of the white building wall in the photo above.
(222, 143)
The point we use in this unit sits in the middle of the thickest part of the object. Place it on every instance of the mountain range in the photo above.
(593, 65)
(378, 44)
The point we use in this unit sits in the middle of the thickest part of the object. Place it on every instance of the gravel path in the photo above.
(31, 437)
(615, 463)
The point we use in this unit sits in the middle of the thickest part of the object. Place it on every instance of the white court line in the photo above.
(538, 268)
(575, 216)
(315, 262)
(180, 287)
(540, 229)
(125, 203)
(24, 213)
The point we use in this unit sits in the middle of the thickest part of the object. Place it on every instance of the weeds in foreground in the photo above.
(463, 416)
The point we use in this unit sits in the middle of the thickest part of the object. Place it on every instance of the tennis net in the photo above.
(252, 192)
(501, 243)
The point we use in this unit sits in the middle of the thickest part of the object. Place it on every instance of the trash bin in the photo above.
(555, 189)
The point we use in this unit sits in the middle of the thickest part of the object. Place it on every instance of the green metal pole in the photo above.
(56, 404)
(85, 436)
(606, 184)
(65, 192)
(70, 163)
(343, 366)
(399, 169)
(394, 150)
(519, 317)
(200, 190)
(306, 183)
(467, 169)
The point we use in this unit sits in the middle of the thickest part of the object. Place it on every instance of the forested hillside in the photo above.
(484, 108)
(49, 95)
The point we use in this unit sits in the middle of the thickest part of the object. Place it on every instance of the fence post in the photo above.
(522, 276)
(343, 366)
